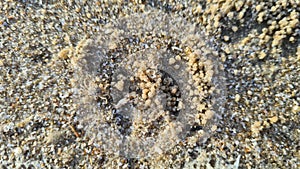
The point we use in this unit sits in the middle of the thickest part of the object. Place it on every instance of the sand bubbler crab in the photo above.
(147, 82)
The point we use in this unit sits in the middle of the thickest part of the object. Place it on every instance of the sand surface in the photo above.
(254, 45)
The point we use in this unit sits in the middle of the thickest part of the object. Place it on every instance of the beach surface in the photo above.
(255, 46)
